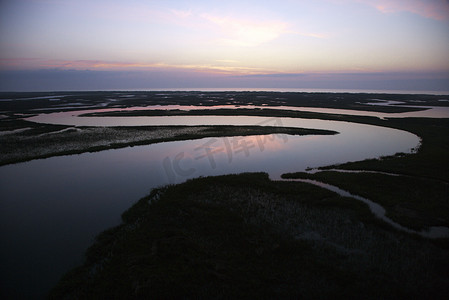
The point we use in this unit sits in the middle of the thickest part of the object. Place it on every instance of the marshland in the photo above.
(217, 216)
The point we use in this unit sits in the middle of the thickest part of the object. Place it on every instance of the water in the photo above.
(75, 118)
(51, 209)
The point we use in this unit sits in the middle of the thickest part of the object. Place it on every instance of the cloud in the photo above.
(181, 13)
(246, 33)
(227, 61)
(36, 63)
(433, 9)
(309, 34)
(222, 66)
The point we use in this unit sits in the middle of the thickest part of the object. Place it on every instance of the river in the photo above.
(51, 209)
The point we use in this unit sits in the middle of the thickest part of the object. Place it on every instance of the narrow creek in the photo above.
(432, 232)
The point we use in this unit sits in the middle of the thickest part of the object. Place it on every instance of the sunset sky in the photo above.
(137, 44)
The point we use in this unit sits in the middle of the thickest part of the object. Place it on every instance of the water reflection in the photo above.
(51, 209)
(74, 118)
(220, 153)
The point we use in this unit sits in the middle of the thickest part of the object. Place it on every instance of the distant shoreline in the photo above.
(236, 89)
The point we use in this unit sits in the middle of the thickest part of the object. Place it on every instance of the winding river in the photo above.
(51, 209)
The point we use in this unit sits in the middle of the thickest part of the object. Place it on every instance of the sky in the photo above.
(137, 44)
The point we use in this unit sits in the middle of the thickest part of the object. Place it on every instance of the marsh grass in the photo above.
(412, 202)
(244, 236)
(43, 140)
(121, 99)
(431, 160)
(419, 196)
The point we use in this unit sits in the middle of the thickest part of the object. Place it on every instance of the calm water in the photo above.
(51, 209)
(73, 117)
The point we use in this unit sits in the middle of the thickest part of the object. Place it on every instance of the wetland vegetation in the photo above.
(23, 140)
(416, 192)
(246, 236)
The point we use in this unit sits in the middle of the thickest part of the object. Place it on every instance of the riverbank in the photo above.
(417, 196)
(244, 236)
(24, 140)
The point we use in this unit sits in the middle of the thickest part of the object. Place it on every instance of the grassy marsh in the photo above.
(244, 236)
(43, 140)
(418, 197)
(57, 101)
